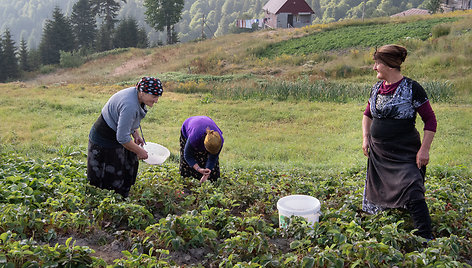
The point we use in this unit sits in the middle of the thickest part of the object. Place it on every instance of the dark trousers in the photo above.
(421, 220)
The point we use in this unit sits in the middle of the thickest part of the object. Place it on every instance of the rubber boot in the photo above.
(421, 220)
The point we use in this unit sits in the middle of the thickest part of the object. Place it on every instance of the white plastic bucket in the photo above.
(304, 206)
(157, 153)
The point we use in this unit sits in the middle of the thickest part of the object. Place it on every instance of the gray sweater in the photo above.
(123, 113)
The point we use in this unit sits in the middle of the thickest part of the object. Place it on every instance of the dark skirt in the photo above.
(112, 168)
(393, 178)
(201, 158)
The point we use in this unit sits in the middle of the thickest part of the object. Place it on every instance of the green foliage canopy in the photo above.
(9, 68)
(84, 24)
(128, 34)
(57, 36)
(162, 14)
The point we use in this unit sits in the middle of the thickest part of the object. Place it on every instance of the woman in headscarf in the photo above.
(201, 141)
(112, 160)
(397, 158)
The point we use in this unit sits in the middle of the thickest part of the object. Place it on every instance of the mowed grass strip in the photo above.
(258, 133)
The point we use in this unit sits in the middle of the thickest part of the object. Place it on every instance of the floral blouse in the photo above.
(402, 104)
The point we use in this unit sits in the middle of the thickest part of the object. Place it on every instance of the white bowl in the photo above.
(157, 153)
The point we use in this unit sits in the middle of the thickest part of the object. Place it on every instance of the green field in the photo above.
(359, 36)
(292, 125)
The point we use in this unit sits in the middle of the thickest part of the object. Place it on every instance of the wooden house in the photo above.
(451, 5)
(287, 14)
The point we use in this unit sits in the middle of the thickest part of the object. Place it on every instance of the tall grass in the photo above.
(321, 91)
(439, 91)
(280, 90)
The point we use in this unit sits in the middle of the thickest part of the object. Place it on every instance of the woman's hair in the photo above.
(391, 55)
(212, 141)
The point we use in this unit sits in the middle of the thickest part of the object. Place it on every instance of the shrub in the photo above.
(71, 59)
(46, 69)
(440, 30)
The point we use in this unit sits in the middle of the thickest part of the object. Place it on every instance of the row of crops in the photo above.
(46, 206)
(362, 35)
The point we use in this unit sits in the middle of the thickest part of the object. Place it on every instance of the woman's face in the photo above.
(148, 99)
(382, 70)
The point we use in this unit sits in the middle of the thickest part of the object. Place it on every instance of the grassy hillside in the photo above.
(445, 55)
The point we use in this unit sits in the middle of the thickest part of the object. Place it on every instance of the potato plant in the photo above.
(172, 221)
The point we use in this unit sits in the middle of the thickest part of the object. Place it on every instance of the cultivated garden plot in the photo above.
(292, 124)
(50, 216)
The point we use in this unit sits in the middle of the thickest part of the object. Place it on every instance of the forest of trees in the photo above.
(25, 18)
(66, 40)
(39, 32)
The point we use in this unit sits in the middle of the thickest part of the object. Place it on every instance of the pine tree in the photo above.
(57, 36)
(84, 24)
(127, 34)
(142, 39)
(9, 62)
(104, 39)
(107, 10)
(162, 14)
(2, 72)
(24, 57)
(34, 59)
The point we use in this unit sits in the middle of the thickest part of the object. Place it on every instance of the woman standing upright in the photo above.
(397, 158)
(112, 160)
(201, 141)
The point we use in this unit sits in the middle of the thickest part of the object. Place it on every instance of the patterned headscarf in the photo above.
(150, 85)
(392, 55)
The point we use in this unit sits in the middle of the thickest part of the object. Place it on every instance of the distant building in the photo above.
(451, 5)
(412, 12)
(287, 14)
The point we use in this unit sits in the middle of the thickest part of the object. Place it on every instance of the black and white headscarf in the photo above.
(150, 85)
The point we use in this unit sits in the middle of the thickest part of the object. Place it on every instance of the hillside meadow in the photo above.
(292, 125)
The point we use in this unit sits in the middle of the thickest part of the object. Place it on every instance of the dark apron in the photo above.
(110, 165)
(393, 179)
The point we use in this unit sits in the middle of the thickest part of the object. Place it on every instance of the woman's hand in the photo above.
(137, 139)
(142, 154)
(422, 158)
(204, 171)
(204, 178)
(366, 123)
(365, 146)
(138, 150)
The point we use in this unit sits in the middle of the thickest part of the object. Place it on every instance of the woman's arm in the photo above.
(138, 150)
(430, 124)
(422, 157)
(137, 138)
(366, 123)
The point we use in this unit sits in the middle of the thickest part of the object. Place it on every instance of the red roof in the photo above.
(288, 6)
(411, 12)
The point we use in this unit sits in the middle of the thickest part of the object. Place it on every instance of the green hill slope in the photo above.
(355, 36)
(439, 51)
